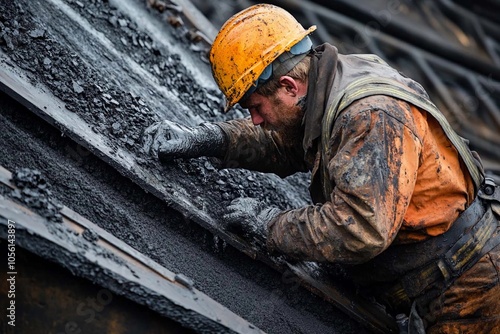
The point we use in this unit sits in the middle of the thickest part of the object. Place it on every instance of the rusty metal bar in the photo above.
(50, 299)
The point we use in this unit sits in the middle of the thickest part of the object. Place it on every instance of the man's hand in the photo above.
(169, 140)
(248, 217)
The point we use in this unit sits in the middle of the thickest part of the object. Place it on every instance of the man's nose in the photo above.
(256, 117)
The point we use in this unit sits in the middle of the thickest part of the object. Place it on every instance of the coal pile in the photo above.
(122, 115)
(34, 190)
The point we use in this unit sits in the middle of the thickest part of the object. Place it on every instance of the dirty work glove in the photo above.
(169, 140)
(248, 217)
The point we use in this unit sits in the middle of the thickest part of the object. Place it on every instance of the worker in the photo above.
(399, 198)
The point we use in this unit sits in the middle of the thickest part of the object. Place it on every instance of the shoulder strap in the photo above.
(364, 87)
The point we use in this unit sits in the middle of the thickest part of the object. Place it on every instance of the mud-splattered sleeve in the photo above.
(373, 168)
(253, 148)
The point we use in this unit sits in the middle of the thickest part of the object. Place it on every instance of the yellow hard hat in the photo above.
(247, 43)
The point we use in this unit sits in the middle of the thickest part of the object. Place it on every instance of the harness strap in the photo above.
(472, 235)
(369, 86)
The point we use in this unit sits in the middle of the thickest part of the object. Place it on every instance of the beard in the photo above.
(290, 127)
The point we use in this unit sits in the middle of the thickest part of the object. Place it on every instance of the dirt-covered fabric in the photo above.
(471, 304)
(387, 166)
(253, 148)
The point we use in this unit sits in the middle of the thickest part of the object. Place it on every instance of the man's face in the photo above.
(281, 112)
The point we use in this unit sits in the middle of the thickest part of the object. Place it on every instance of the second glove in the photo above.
(248, 217)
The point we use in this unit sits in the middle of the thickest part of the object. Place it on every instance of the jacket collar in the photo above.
(321, 75)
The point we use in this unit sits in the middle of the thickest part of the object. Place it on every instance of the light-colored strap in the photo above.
(369, 86)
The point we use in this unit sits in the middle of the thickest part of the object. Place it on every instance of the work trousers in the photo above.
(472, 303)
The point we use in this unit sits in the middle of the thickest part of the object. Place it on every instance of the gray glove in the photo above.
(169, 140)
(248, 217)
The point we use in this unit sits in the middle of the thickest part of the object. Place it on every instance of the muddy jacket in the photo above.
(387, 162)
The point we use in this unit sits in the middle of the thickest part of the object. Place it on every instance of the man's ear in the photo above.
(290, 84)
